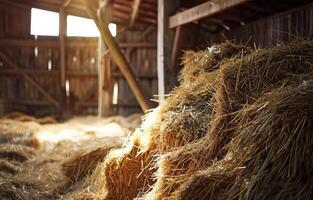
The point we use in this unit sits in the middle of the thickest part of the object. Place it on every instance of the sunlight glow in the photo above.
(82, 27)
(44, 22)
(115, 93)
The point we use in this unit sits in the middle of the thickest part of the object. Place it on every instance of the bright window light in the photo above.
(112, 28)
(81, 27)
(115, 93)
(44, 22)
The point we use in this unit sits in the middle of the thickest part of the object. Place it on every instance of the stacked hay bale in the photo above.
(181, 119)
(240, 83)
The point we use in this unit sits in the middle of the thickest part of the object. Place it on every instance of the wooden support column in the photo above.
(117, 55)
(166, 78)
(104, 80)
(176, 49)
(62, 37)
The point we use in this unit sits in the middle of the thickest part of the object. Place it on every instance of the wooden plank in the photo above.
(165, 41)
(135, 12)
(117, 55)
(176, 48)
(69, 43)
(203, 10)
(10, 62)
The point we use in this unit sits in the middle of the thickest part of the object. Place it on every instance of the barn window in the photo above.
(44, 22)
(83, 27)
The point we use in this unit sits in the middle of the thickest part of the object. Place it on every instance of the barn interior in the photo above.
(156, 99)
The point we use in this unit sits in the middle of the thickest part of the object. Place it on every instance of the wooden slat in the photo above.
(203, 10)
(135, 12)
(10, 62)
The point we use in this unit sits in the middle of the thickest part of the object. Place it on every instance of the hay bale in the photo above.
(240, 81)
(9, 167)
(18, 153)
(128, 171)
(271, 151)
(80, 166)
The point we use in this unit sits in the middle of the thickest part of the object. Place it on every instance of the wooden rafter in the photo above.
(135, 12)
(29, 79)
(203, 10)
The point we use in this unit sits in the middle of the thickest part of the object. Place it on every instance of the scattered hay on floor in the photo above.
(9, 167)
(18, 153)
(79, 167)
(46, 120)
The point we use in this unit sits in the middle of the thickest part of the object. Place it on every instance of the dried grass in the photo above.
(17, 153)
(269, 156)
(9, 167)
(80, 166)
(240, 81)
(181, 119)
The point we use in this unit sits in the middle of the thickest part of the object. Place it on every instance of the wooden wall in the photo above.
(33, 56)
(269, 31)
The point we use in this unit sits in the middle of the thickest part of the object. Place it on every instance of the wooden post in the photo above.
(166, 78)
(104, 75)
(176, 49)
(62, 35)
(117, 55)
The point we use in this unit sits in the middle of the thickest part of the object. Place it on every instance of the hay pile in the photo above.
(179, 121)
(240, 83)
(270, 155)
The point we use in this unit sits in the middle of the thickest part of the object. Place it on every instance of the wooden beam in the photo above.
(176, 48)
(29, 79)
(203, 10)
(166, 79)
(135, 12)
(69, 43)
(66, 3)
(117, 55)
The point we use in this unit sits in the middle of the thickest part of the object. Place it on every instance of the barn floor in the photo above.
(35, 156)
